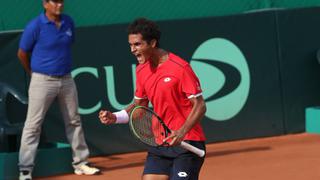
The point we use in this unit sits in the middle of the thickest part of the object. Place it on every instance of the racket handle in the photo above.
(193, 149)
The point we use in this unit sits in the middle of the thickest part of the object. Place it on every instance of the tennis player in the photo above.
(169, 83)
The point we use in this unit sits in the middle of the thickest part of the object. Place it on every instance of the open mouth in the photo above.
(140, 58)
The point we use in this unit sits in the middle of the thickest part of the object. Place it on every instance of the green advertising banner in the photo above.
(232, 59)
(257, 70)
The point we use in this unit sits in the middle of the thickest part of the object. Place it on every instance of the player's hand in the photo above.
(175, 138)
(106, 117)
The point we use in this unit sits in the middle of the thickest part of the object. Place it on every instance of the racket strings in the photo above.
(147, 127)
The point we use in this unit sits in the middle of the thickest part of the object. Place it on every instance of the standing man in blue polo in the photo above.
(45, 53)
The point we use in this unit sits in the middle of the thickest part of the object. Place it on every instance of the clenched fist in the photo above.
(106, 117)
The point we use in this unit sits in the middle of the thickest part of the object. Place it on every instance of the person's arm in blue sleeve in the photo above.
(26, 45)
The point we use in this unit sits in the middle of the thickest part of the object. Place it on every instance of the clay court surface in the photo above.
(290, 157)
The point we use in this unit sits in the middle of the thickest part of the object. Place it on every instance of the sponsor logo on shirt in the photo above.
(69, 32)
(167, 79)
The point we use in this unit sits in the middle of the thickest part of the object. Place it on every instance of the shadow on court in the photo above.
(234, 151)
(290, 157)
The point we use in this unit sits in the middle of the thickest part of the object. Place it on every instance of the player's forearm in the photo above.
(122, 117)
(130, 107)
(136, 102)
(195, 116)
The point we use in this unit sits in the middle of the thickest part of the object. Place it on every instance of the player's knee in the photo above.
(155, 176)
(75, 120)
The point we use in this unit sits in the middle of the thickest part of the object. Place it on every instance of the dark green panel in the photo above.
(49, 161)
(11, 71)
(299, 40)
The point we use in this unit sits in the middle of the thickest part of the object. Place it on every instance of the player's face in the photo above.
(54, 7)
(140, 48)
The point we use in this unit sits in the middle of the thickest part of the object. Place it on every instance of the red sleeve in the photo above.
(140, 92)
(190, 82)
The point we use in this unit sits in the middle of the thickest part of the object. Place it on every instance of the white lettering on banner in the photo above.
(110, 86)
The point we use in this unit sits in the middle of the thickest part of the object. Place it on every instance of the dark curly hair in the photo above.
(147, 28)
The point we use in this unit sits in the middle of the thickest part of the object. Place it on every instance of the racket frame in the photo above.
(197, 151)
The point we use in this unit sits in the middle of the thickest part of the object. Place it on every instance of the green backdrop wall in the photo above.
(265, 95)
(14, 14)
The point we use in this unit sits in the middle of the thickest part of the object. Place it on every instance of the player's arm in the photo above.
(195, 116)
(120, 117)
(24, 58)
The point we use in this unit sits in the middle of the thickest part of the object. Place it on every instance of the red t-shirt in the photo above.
(168, 87)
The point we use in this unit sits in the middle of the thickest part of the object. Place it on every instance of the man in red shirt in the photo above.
(170, 84)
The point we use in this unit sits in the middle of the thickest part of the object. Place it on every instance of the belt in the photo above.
(59, 77)
(53, 76)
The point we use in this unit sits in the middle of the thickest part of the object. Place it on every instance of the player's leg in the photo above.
(155, 177)
(156, 167)
(187, 165)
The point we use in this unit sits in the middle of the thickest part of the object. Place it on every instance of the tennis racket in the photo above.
(148, 127)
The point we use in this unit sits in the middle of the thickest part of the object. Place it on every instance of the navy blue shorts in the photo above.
(175, 162)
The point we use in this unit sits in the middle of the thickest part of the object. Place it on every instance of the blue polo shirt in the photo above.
(50, 47)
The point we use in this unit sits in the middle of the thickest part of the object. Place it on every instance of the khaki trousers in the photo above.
(43, 90)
